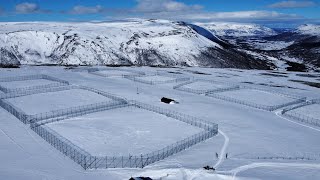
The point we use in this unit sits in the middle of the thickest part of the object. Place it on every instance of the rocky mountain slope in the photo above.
(138, 42)
(159, 43)
(295, 49)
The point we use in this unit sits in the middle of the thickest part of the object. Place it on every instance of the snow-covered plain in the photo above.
(257, 96)
(123, 131)
(200, 85)
(45, 102)
(249, 133)
(115, 73)
(312, 111)
(26, 83)
(155, 78)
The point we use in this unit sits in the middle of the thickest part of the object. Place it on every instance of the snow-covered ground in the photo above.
(200, 85)
(26, 83)
(312, 111)
(123, 131)
(257, 96)
(155, 78)
(45, 102)
(248, 133)
(115, 73)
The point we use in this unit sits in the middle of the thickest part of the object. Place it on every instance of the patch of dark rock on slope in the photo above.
(230, 58)
(312, 84)
(8, 59)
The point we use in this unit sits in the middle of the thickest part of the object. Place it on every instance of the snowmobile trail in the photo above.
(223, 149)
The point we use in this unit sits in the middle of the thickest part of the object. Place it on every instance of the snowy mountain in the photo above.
(292, 49)
(134, 42)
(309, 29)
(237, 29)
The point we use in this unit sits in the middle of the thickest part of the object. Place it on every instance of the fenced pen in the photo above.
(124, 73)
(63, 113)
(295, 100)
(227, 87)
(305, 118)
(55, 83)
(172, 78)
(88, 161)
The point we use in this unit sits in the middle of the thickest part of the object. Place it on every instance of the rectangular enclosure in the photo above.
(257, 98)
(25, 83)
(50, 101)
(115, 73)
(123, 131)
(155, 78)
(132, 135)
(312, 111)
(30, 82)
(307, 112)
(158, 79)
(201, 86)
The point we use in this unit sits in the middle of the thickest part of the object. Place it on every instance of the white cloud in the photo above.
(293, 4)
(26, 8)
(29, 8)
(87, 10)
(242, 15)
(236, 16)
(154, 6)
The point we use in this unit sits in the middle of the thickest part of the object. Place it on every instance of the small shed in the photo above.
(168, 100)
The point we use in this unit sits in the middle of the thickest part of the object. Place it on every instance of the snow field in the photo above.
(123, 131)
(309, 110)
(156, 78)
(115, 73)
(257, 97)
(50, 101)
(25, 83)
(201, 85)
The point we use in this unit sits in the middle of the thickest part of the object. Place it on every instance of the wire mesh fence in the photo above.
(18, 113)
(174, 79)
(181, 87)
(88, 161)
(62, 113)
(305, 118)
(121, 72)
(56, 82)
(256, 105)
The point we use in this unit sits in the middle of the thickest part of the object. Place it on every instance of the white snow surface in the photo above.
(309, 29)
(26, 83)
(257, 96)
(200, 85)
(155, 78)
(123, 131)
(237, 29)
(312, 111)
(45, 102)
(102, 42)
(248, 133)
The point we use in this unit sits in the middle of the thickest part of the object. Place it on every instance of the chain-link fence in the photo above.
(174, 79)
(256, 105)
(120, 72)
(181, 87)
(88, 161)
(302, 117)
(62, 113)
(55, 83)
(18, 113)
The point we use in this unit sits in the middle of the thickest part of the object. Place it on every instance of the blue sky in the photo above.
(276, 12)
